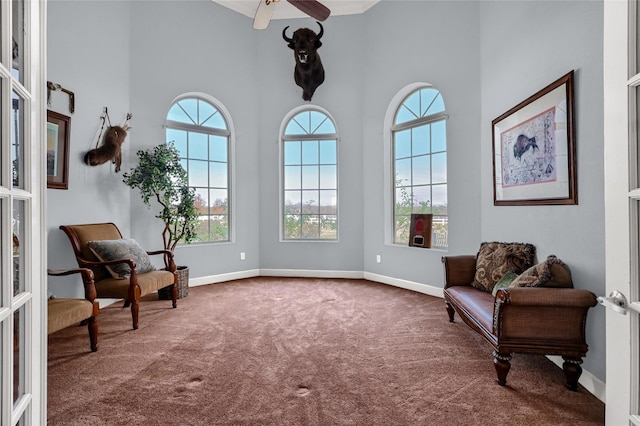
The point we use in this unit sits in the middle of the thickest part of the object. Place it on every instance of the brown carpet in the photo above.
(286, 351)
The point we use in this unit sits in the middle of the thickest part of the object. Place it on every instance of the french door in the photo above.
(22, 186)
(622, 210)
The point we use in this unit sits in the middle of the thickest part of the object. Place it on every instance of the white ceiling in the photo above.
(284, 10)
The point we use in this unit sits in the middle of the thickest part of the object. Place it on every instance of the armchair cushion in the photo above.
(496, 259)
(148, 282)
(65, 312)
(123, 248)
(553, 272)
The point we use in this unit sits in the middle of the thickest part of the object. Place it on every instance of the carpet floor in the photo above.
(290, 351)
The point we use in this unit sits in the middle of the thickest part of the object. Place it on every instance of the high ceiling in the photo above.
(284, 10)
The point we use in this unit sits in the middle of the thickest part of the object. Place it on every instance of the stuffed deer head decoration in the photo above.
(111, 148)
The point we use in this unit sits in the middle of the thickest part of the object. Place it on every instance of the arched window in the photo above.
(419, 164)
(309, 176)
(198, 127)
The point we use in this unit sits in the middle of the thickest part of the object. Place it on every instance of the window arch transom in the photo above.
(419, 164)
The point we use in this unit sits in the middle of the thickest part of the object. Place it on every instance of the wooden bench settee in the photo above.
(548, 319)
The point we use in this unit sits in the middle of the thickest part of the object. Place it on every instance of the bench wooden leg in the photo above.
(502, 365)
(572, 371)
(450, 311)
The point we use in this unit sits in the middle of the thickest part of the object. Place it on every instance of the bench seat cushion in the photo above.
(478, 305)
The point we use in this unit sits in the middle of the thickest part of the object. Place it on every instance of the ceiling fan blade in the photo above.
(313, 8)
(263, 14)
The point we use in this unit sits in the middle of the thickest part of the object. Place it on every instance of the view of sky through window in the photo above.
(200, 133)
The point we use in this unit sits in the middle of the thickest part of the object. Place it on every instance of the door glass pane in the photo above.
(18, 41)
(1, 151)
(636, 91)
(2, 379)
(18, 240)
(17, 141)
(637, 38)
(3, 260)
(18, 353)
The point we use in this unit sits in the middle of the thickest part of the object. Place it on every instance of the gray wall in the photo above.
(211, 56)
(475, 53)
(88, 53)
(435, 45)
(560, 36)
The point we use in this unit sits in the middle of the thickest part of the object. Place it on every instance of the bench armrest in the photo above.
(547, 297)
(534, 313)
(459, 270)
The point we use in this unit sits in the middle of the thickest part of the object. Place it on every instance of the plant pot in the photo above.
(183, 285)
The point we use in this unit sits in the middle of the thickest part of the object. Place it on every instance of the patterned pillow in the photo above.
(123, 248)
(496, 259)
(553, 272)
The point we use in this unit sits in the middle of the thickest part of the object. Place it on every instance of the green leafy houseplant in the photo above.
(160, 175)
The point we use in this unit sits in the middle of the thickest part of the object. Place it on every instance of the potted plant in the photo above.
(160, 175)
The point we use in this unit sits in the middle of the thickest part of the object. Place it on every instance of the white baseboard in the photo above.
(213, 279)
(311, 273)
(408, 285)
(590, 382)
(103, 303)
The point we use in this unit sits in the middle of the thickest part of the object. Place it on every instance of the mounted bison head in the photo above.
(308, 73)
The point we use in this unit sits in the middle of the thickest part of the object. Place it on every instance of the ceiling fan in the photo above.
(313, 8)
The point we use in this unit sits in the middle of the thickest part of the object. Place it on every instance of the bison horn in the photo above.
(319, 36)
(284, 35)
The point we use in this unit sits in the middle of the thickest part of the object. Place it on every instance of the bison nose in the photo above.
(302, 56)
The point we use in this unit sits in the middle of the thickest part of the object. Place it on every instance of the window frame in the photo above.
(229, 133)
(390, 128)
(301, 137)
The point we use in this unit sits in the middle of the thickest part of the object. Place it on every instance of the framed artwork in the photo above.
(420, 230)
(58, 130)
(534, 154)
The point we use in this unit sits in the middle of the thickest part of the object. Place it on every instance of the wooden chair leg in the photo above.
(572, 371)
(450, 311)
(502, 365)
(93, 333)
(174, 295)
(135, 308)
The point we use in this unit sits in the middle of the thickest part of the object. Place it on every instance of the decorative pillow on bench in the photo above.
(124, 248)
(495, 259)
(504, 282)
(553, 272)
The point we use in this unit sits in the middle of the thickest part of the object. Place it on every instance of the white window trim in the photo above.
(231, 160)
(389, 181)
(283, 125)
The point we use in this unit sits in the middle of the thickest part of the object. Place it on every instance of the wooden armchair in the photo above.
(110, 280)
(64, 312)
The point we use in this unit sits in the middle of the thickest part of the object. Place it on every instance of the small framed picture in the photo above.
(420, 230)
(58, 130)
